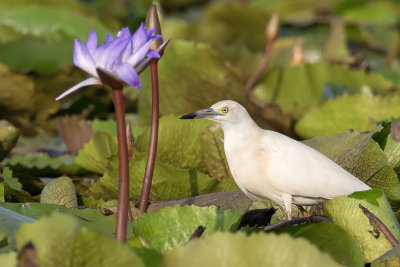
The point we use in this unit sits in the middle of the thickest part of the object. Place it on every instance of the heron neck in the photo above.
(245, 129)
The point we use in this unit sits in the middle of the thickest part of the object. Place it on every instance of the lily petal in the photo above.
(83, 59)
(109, 38)
(91, 43)
(128, 74)
(139, 38)
(127, 52)
(139, 55)
(109, 54)
(78, 86)
(153, 54)
(150, 32)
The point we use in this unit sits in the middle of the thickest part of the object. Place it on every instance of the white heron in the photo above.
(267, 164)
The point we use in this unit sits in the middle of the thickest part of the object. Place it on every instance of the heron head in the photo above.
(226, 111)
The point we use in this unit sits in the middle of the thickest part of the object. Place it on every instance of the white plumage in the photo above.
(267, 164)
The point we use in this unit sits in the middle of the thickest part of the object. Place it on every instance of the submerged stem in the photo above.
(123, 190)
(382, 227)
(148, 175)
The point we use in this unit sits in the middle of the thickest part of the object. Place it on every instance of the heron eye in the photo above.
(225, 110)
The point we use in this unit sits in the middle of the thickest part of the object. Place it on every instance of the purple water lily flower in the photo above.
(117, 55)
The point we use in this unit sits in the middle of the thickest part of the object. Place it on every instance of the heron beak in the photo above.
(201, 114)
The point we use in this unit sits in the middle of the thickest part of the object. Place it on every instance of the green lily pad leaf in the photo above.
(208, 81)
(391, 147)
(236, 23)
(392, 151)
(47, 31)
(79, 246)
(8, 259)
(371, 13)
(382, 36)
(390, 258)
(10, 180)
(98, 203)
(359, 112)
(150, 257)
(51, 23)
(298, 88)
(2, 199)
(93, 219)
(60, 191)
(41, 164)
(190, 144)
(185, 93)
(168, 183)
(8, 138)
(345, 212)
(178, 141)
(11, 189)
(172, 226)
(14, 82)
(213, 153)
(3, 240)
(226, 200)
(110, 127)
(10, 223)
(335, 47)
(370, 197)
(361, 156)
(332, 239)
(98, 153)
(20, 104)
(241, 250)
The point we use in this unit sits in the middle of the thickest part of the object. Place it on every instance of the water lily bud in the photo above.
(129, 140)
(297, 53)
(272, 28)
(152, 21)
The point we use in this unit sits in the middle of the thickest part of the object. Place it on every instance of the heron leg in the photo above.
(287, 201)
(303, 211)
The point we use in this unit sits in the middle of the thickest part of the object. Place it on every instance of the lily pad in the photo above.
(8, 138)
(41, 164)
(332, 239)
(184, 93)
(50, 32)
(359, 112)
(190, 144)
(20, 104)
(390, 258)
(79, 246)
(172, 226)
(178, 142)
(93, 219)
(9, 259)
(361, 156)
(298, 88)
(241, 250)
(346, 213)
(110, 127)
(98, 153)
(168, 183)
(10, 180)
(371, 13)
(2, 199)
(60, 191)
(10, 223)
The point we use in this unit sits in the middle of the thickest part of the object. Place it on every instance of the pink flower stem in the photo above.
(123, 191)
(148, 175)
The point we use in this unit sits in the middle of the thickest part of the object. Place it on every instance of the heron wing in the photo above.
(300, 170)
